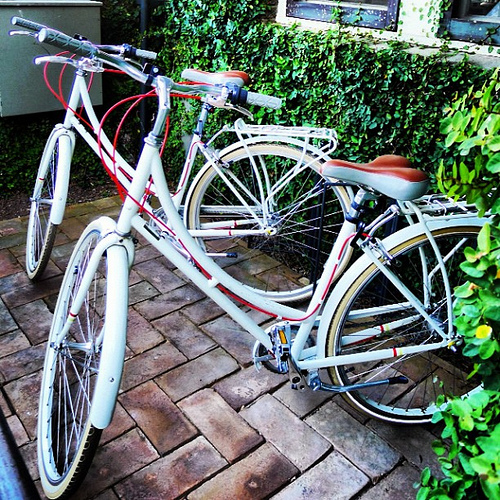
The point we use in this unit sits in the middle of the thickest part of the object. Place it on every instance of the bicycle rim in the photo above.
(66, 438)
(301, 217)
(374, 315)
(41, 232)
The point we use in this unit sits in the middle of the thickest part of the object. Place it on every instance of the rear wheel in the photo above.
(67, 440)
(374, 315)
(282, 215)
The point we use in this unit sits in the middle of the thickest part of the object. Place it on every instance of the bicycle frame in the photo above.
(79, 96)
(119, 167)
(216, 283)
(367, 331)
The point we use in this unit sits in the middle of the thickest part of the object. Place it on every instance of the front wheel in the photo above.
(45, 200)
(269, 218)
(76, 351)
(373, 315)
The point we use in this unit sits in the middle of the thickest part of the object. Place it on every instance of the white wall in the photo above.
(418, 23)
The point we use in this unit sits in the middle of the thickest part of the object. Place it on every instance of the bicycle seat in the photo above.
(239, 78)
(390, 175)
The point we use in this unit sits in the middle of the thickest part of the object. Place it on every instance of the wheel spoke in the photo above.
(67, 439)
(41, 232)
(282, 261)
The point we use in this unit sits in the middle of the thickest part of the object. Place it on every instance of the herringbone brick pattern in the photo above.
(194, 419)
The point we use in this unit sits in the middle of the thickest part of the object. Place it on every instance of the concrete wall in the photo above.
(418, 23)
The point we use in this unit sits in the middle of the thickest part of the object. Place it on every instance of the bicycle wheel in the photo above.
(41, 231)
(374, 315)
(67, 439)
(282, 216)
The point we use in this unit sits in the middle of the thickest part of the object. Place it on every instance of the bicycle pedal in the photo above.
(281, 337)
(275, 360)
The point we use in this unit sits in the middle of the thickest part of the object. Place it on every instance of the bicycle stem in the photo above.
(164, 86)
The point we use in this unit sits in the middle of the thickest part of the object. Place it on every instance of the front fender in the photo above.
(113, 347)
(66, 139)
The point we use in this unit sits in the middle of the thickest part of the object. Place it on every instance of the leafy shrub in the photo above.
(380, 99)
(472, 128)
(471, 462)
(477, 307)
(472, 125)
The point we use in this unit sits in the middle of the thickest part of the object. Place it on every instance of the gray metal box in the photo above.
(22, 88)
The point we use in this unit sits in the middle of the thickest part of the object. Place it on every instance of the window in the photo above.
(474, 21)
(380, 14)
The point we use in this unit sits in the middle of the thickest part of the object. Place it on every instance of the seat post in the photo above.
(358, 203)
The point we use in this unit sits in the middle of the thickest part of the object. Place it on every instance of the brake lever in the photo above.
(23, 32)
(239, 109)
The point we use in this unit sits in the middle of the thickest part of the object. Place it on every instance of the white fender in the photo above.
(113, 348)
(120, 252)
(66, 146)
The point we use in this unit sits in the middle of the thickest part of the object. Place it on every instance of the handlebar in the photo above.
(242, 96)
(26, 23)
(65, 42)
(114, 55)
(127, 50)
(80, 46)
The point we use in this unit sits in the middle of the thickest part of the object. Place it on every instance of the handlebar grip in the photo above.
(146, 54)
(53, 37)
(26, 23)
(265, 101)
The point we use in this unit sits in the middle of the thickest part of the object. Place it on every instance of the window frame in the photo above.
(321, 10)
(469, 30)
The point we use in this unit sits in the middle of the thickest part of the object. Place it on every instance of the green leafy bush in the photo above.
(380, 99)
(477, 307)
(471, 459)
(472, 126)
(469, 448)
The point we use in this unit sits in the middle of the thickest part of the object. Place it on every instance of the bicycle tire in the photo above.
(42, 232)
(67, 438)
(284, 265)
(429, 373)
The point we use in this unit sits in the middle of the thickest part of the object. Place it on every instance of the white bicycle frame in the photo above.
(247, 135)
(215, 282)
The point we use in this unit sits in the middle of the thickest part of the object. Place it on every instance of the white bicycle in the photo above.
(273, 202)
(383, 336)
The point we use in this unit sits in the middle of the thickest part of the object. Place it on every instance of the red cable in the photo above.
(59, 96)
(112, 174)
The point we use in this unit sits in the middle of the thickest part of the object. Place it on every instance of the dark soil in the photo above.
(18, 204)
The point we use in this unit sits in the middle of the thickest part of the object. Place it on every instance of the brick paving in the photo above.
(194, 419)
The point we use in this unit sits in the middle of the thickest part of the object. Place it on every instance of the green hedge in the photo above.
(380, 100)
(469, 448)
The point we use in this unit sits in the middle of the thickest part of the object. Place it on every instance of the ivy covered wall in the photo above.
(381, 99)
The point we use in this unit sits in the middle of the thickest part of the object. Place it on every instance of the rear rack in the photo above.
(440, 204)
(328, 134)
